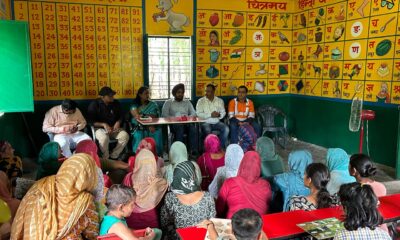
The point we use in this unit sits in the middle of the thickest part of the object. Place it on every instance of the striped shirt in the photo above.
(241, 110)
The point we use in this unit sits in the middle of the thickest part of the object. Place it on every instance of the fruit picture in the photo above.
(261, 20)
(238, 20)
(214, 19)
(383, 47)
(236, 38)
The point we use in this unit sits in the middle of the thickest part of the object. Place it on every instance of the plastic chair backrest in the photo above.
(267, 114)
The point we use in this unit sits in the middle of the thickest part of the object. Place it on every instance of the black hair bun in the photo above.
(371, 170)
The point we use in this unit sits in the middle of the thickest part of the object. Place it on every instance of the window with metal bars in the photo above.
(170, 63)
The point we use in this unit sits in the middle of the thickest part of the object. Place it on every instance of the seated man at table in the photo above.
(241, 111)
(246, 224)
(212, 109)
(106, 116)
(178, 107)
(65, 121)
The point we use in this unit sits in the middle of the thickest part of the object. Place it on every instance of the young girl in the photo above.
(316, 179)
(362, 217)
(362, 168)
(120, 201)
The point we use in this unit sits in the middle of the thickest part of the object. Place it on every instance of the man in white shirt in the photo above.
(212, 109)
(65, 121)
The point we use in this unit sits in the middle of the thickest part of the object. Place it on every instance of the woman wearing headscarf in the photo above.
(247, 190)
(247, 137)
(149, 144)
(178, 154)
(103, 181)
(233, 157)
(9, 163)
(211, 159)
(271, 162)
(337, 161)
(291, 183)
(186, 205)
(60, 206)
(6, 194)
(48, 163)
(150, 188)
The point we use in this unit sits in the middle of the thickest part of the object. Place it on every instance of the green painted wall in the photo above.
(325, 123)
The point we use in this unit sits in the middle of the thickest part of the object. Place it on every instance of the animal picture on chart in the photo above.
(176, 21)
(317, 70)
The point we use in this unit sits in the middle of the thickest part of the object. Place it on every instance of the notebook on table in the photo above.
(322, 229)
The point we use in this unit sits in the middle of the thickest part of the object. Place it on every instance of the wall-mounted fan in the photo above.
(358, 116)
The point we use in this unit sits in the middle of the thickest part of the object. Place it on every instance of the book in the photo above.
(223, 228)
(322, 229)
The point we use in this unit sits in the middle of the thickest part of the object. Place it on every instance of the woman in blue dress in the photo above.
(143, 107)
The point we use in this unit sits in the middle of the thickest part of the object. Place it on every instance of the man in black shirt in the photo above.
(106, 116)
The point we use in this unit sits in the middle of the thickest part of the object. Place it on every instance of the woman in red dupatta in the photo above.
(90, 147)
(212, 158)
(149, 144)
(247, 190)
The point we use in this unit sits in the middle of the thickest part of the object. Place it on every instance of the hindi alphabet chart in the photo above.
(342, 49)
(80, 46)
(247, 43)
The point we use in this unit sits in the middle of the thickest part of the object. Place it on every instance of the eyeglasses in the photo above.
(388, 3)
(66, 111)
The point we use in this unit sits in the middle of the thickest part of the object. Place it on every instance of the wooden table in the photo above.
(175, 120)
(284, 225)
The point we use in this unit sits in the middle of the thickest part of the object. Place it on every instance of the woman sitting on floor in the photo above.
(316, 178)
(233, 158)
(337, 161)
(150, 188)
(186, 205)
(247, 190)
(362, 217)
(149, 144)
(291, 183)
(9, 163)
(61, 206)
(210, 160)
(48, 161)
(143, 107)
(247, 137)
(178, 154)
(271, 162)
(363, 169)
(90, 147)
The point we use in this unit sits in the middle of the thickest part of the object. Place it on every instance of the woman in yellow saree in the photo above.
(60, 206)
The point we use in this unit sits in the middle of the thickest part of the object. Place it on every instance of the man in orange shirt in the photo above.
(241, 111)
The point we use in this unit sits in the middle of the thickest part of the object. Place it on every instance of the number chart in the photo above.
(80, 46)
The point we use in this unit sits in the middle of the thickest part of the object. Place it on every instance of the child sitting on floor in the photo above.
(120, 201)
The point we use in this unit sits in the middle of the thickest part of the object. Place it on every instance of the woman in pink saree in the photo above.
(247, 190)
(210, 160)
